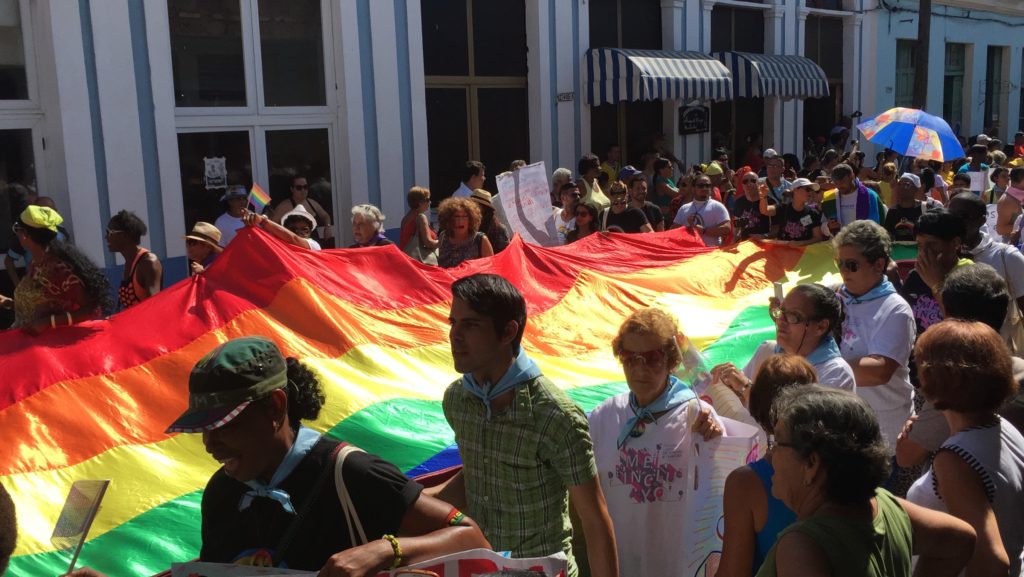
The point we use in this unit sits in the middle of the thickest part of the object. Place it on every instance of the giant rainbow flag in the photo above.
(92, 401)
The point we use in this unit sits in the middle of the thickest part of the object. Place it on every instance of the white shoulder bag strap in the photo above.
(355, 527)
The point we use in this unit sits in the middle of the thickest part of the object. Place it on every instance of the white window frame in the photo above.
(253, 71)
(28, 48)
(34, 124)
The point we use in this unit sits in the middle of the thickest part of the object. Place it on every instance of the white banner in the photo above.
(705, 481)
(526, 204)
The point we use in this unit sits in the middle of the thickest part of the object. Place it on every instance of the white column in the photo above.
(540, 91)
(119, 110)
(936, 70)
(672, 39)
(774, 132)
(76, 127)
(417, 92)
(567, 110)
(979, 66)
(162, 79)
(854, 70)
(389, 123)
(1013, 111)
(350, 158)
(796, 145)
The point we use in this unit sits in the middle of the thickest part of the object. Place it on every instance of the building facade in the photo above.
(154, 105)
(975, 64)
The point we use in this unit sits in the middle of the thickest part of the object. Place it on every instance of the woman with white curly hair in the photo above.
(368, 226)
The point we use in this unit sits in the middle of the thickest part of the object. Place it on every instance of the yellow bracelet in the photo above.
(396, 548)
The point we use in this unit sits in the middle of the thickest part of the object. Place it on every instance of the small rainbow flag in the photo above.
(258, 198)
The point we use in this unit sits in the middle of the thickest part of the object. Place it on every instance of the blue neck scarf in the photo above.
(826, 351)
(521, 371)
(304, 441)
(882, 289)
(677, 393)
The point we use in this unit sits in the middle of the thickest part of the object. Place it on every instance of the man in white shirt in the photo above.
(705, 215)
(231, 221)
(473, 177)
(1006, 259)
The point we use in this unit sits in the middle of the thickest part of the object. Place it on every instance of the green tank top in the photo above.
(881, 548)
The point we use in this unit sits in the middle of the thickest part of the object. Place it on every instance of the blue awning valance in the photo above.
(759, 75)
(616, 74)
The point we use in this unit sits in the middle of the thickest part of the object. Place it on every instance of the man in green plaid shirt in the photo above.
(525, 445)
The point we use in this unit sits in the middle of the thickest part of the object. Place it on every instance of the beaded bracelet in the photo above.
(396, 548)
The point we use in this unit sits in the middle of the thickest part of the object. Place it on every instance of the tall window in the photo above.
(13, 73)
(823, 43)
(630, 125)
(735, 123)
(953, 85)
(996, 88)
(250, 84)
(906, 51)
(737, 30)
(474, 59)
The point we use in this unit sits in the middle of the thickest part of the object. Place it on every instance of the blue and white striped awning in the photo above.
(615, 74)
(759, 75)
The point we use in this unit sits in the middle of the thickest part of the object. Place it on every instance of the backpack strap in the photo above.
(307, 506)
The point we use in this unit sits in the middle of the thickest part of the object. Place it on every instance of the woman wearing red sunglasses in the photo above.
(642, 445)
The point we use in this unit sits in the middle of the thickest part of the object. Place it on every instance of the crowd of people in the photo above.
(889, 405)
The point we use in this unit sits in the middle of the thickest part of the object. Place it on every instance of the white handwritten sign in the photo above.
(526, 204)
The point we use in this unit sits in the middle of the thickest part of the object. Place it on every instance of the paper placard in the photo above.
(526, 204)
(705, 520)
(978, 181)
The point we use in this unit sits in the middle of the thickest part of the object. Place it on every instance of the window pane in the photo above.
(504, 123)
(291, 40)
(305, 152)
(201, 192)
(13, 81)
(17, 174)
(445, 36)
(721, 29)
(206, 52)
(905, 50)
(831, 60)
(748, 31)
(603, 23)
(499, 37)
(641, 24)
(447, 139)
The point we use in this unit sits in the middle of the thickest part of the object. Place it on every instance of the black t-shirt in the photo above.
(921, 300)
(797, 224)
(380, 492)
(630, 220)
(901, 223)
(749, 217)
(653, 213)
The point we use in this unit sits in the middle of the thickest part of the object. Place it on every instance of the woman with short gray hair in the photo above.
(368, 226)
(879, 328)
(830, 459)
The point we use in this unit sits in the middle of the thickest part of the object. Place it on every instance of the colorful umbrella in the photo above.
(914, 133)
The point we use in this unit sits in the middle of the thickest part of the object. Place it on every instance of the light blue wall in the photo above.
(949, 24)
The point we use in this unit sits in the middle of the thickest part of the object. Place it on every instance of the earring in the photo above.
(807, 482)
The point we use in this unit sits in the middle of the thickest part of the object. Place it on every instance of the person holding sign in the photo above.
(642, 445)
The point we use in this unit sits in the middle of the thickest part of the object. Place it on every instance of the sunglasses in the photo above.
(192, 242)
(300, 186)
(850, 265)
(646, 358)
(791, 317)
(703, 185)
(749, 181)
(582, 213)
(16, 228)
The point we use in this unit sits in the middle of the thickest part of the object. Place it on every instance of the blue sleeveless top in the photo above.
(779, 515)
